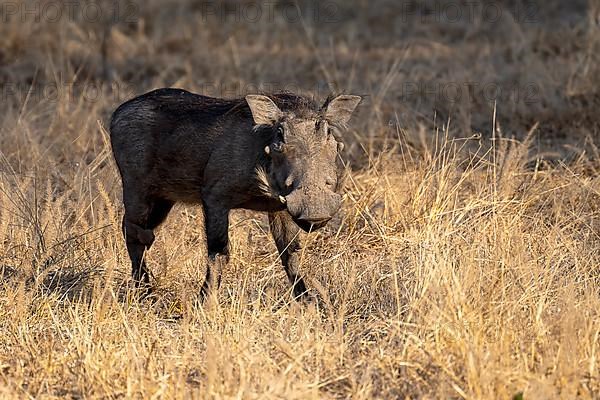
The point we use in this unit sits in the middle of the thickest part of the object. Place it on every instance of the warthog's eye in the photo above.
(330, 181)
(280, 133)
(278, 147)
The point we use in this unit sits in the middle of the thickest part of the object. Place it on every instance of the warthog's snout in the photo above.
(313, 213)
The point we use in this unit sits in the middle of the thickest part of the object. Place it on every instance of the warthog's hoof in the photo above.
(141, 290)
(305, 296)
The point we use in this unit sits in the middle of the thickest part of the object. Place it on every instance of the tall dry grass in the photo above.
(445, 277)
(463, 265)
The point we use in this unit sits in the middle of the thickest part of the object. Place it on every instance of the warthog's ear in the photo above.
(264, 111)
(340, 109)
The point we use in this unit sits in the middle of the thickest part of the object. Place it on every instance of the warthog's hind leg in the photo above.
(138, 227)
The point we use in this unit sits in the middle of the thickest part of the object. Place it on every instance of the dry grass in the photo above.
(461, 266)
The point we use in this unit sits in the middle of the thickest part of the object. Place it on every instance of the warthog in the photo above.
(276, 153)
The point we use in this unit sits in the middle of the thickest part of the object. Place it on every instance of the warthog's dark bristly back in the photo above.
(180, 103)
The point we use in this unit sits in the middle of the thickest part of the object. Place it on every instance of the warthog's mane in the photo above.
(300, 106)
(179, 102)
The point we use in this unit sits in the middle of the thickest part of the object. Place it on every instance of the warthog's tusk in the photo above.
(282, 199)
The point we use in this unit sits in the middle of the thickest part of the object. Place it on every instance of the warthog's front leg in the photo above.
(216, 223)
(287, 239)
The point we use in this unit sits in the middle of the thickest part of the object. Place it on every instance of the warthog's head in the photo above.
(303, 168)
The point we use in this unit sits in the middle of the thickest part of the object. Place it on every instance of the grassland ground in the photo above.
(464, 263)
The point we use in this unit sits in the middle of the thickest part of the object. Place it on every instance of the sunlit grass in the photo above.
(462, 265)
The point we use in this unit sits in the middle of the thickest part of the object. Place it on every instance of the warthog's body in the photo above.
(255, 153)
